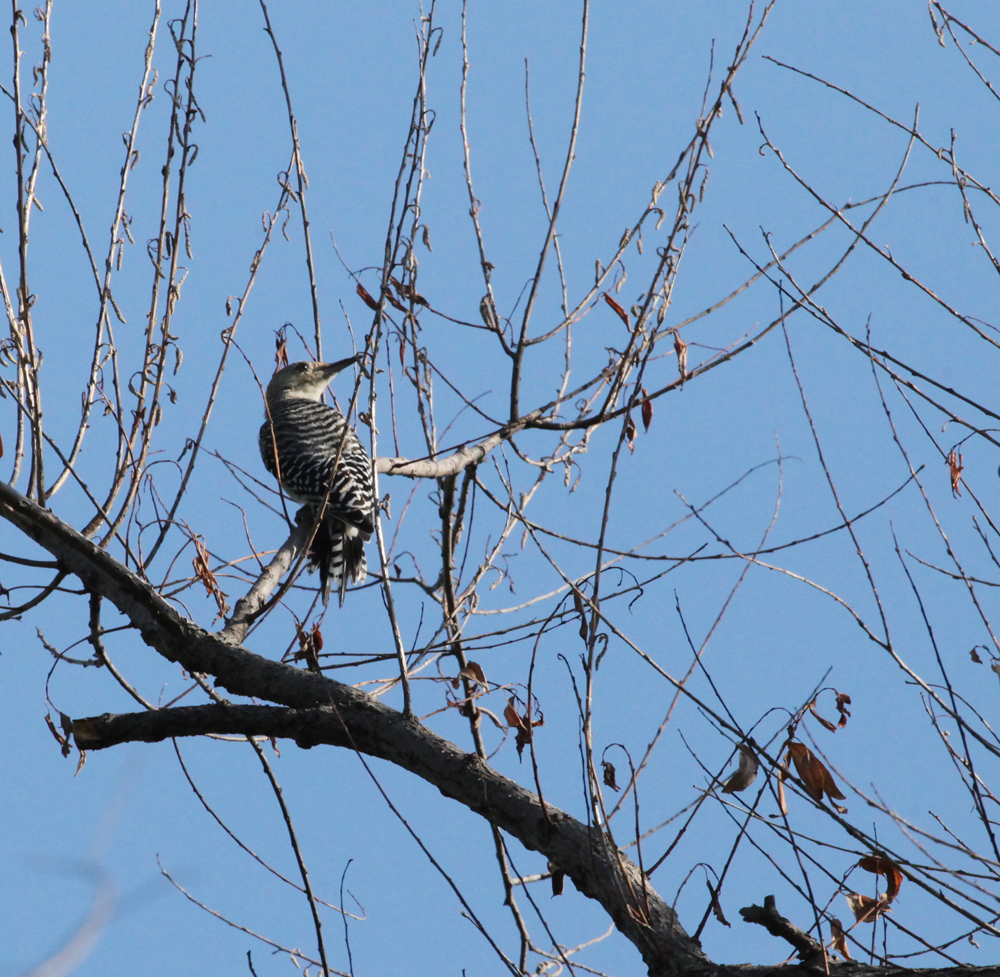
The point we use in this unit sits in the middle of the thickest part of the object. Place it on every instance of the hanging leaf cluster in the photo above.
(523, 724)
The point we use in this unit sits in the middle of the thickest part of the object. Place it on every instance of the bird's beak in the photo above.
(332, 369)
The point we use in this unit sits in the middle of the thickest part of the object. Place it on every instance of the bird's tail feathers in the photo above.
(338, 551)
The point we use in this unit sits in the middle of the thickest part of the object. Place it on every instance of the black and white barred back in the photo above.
(307, 437)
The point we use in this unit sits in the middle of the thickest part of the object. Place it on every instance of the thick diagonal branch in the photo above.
(320, 710)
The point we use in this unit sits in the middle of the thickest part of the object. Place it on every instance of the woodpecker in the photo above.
(320, 463)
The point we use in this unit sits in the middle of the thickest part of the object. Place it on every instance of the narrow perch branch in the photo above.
(453, 464)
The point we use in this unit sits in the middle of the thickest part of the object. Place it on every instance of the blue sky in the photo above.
(352, 73)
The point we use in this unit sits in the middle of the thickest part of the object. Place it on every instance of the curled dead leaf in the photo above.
(716, 908)
(975, 657)
(63, 741)
(881, 864)
(745, 774)
(839, 939)
(609, 775)
(843, 701)
(473, 672)
(308, 649)
(280, 351)
(203, 572)
(510, 714)
(865, 908)
(523, 724)
(824, 722)
(955, 469)
(681, 349)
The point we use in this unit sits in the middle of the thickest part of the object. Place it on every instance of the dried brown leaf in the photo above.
(813, 774)
(630, 432)
(522, 739)
(203, 572)
(622, 314)
(523, 724)
(805, 767)
(510, 714)
(609, 775)
(63, 741)
(955, 469)
(882, 864)
(681, 349)
(473, 672)
(307, 647)
(280, 351)
(782, 777)
(865, 908)
(408, 292)
(716, 908)
(825, 722)
(745, 774)
(647, 410)
(843, 701)
(831, 790)
(975, 657)
(366, 298)
(839, 939)
(394, 302)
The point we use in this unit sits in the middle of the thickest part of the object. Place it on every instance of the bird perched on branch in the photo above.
(319, 462)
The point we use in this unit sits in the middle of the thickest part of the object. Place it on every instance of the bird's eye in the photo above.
(303, 367)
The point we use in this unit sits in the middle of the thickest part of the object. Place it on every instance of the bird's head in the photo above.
(305, 380)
